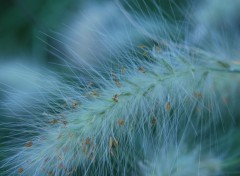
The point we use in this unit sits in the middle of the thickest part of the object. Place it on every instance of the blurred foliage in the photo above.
(25, 24)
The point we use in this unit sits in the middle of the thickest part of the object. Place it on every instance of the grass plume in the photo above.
(160, 102)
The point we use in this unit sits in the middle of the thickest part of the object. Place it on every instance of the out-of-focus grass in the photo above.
(23, 23)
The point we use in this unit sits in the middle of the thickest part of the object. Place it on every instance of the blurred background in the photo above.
(26, 25)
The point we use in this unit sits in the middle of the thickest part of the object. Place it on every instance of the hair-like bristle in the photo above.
(160, 108)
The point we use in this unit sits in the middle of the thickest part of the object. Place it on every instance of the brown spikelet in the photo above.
(121, 122)
(198, 95)
(20, 170)
(168, 106)
(154, 121)
(115, 98)
(29, 144)
(141, 69)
